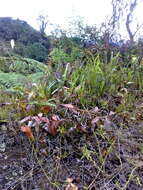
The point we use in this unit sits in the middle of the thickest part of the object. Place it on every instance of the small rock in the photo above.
(11, 179)
(5, 157)
(6, 177)
(3, 128)
(20, 172)
(5, 167)
(2, 147)
(14, 174)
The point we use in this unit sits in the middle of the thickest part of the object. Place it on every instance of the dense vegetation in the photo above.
(76, 120)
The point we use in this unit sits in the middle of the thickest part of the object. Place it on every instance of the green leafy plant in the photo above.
(59, 56)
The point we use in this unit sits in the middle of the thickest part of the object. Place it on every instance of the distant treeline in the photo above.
(62, 46)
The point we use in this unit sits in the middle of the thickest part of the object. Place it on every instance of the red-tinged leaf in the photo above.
(52, 130)
(46, 109)
(53, 127)
(25, 129)
(50, 125)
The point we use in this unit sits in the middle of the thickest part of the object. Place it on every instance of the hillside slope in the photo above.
(29, 42)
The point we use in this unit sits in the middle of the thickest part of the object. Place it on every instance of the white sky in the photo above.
(94, 11)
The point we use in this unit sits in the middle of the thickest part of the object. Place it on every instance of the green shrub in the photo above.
(37, 51)
(59, 56)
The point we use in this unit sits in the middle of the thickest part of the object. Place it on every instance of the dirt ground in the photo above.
(92, 160)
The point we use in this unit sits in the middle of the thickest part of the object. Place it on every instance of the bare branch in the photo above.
(129, 20)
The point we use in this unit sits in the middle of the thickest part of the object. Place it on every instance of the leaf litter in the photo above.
(73, 143)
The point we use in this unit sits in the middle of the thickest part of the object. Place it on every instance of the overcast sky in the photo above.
(59, 11)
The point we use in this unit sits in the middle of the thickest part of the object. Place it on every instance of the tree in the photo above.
(123, 13)
(42, 21)
(129, 20)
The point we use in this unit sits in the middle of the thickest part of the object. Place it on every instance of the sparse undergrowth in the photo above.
(86, 125)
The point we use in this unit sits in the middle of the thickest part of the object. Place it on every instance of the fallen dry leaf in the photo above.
(70, 106)
(69, 180)
(50, 125)
(25, 129)
(55, 117)
(111, 113)
(53, 127)
(45, 109)
(25, 119)
(71, 186)
(95, 110)
(40, 114)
